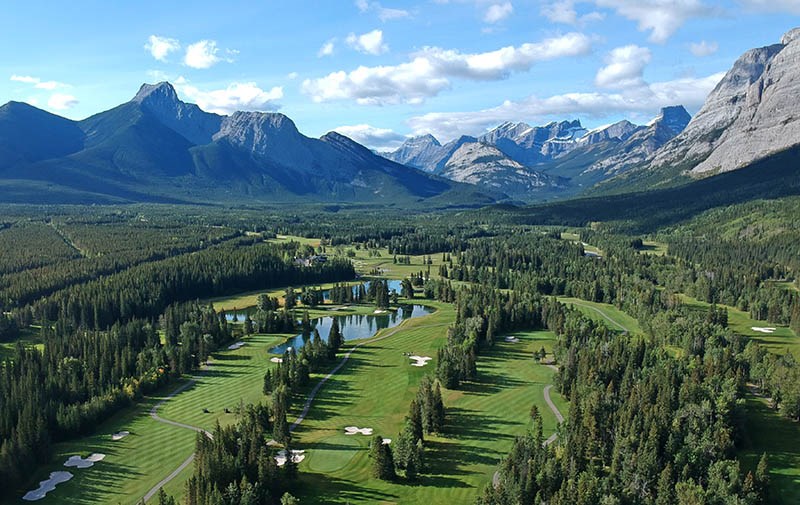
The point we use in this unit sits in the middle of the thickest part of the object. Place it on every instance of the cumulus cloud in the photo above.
(661, 18)
(37, 82)
(429, 71)
(563, 11)
(372, 136)
(703, 48)
(368, 43)
(384, 13)
(160, 47)
(326, 49)
(624, 67)
(61, 101)
(205, 54)
(237, 96)
(498, 12)
(647, 99)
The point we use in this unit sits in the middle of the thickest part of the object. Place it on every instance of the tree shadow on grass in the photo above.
(323, 489)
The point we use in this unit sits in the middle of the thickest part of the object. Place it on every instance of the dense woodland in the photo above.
(653, 419)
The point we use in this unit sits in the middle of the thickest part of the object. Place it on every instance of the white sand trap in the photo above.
(297, 457)
(120, 435)
(513, 340)
(276, 360)
(235, 346)
(379, 311)
(352, 430)
(763, 330)
(386, 441)
(79, 462)
(420, 360)
(46, 486)
(272, 442)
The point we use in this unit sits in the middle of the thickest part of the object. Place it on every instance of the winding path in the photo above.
(306, 407)
(603, 314)
(156, 417)
(551, 438)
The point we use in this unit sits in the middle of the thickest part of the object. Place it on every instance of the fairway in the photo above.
(780, 438)
(375, 391)
(782, 341)
(333, 453)
(605, 313)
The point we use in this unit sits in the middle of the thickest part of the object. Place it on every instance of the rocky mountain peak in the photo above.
(162, 92)
(675, 118)
(790, 36)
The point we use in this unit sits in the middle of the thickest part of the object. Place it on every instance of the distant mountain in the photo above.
(158, 148)
(485, 165)
(565, 157)
(752, 114)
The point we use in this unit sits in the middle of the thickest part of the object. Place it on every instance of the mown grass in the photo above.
(780, 438)
(654, 248)
(375, 389)
(29, 337)
(131, 466)
(782, 341)
(574, 237)
(605, 313)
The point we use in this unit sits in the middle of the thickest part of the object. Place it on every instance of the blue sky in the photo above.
(379, 71)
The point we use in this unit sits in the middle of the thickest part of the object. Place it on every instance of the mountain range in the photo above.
(535, 162)
(158, 148)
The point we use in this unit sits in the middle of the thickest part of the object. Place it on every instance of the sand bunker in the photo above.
(763, 330)
(513, 340)
(379, 311)
(352, 430)
(272, 443)
(79, 462)
(297, 457)
(386, 441)
(235, 346)
(46, 486)
(120, 435)
(276, 360)
(420, 360)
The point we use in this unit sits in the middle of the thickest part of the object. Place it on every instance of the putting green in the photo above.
(334, 453)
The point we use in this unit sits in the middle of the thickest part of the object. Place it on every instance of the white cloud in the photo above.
(61, 101)
(624, 67)
(326, 49)
(38, 83)
(368, 43)
(563, 11)
(430, 70)
(647, 99)
(498, 12)
(703, 48)
(792, 6)
(160, 47)
(384, 13)
(205, 54)
(371, 136)
(237, 96)
(292, 75)
(661, 17)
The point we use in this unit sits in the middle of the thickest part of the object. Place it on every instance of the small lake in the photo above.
(394, 285)
(356, 327)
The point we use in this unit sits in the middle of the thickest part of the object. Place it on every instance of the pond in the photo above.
(239, 315)
(356, 327)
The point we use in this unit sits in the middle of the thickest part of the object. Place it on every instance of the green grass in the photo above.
(136, 463)
(780, 438)
(605, 313)
(132, 465)
(314, 242)
(782, 341)
(29, 337)
(375, 389)
(574, 237)
(654, 248)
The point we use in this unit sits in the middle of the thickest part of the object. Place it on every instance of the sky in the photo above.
(381, 71)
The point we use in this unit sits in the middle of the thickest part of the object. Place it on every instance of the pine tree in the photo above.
(382, 461)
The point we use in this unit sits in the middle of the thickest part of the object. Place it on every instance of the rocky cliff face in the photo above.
(482, 164)
(188, 119)
(752, 113)
(644, 141)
